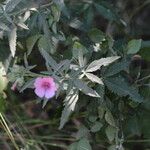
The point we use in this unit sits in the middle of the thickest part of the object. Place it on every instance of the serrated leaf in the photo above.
(96, 127)
(94, 78)
(82, 86)
(97, 64)
(110, 133)
(31, 42)
(119, 86)
(84, 144)
(110, 119)
(134, 46)
(46, 44)
(12, 37)
(116, 68)
(69, 102)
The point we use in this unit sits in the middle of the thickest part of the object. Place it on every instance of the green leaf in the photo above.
(22, 25)
(49, 60)
(56, 12)
(109, 118)
(82, 86)
(77, 49)
(4, 27)
(77, 24)
(110, 133)
(73, 146)
(69, 102)
(11, 5)
(119, 86)
(101, 111)
(92, 118)
(94, 78)
(46, 44)
(134, 46)
(28, 84)
(106, 12)
(96, 127)
(3, 79)
(83, 144)
(116, 68)
(12, 37)
(31, 42)
(97, 64)
(82, 132)
(96, 35)
(112, 147)
(101, 91)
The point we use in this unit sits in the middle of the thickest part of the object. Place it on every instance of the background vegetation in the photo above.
(98, 52)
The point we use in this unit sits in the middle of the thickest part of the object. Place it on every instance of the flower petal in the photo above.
(38, 82)
(49, 93)
(40, 92)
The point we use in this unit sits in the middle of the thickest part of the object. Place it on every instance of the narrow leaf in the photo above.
(94, 78)
(97, 64)
(82, 86)
(12, 37)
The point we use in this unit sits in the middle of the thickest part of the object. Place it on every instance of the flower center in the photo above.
(46, 85)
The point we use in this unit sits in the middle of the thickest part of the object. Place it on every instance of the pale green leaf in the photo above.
(78, 49)
(22, 25)
(134, 46)
(110, 119)
(12, 37)
(97, 64)
(94, 78)
(110, 133)
(82, 86)
(70, 103)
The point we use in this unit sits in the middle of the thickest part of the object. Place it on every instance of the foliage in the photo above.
(103, 87)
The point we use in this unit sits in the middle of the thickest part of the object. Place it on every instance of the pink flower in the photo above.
(45, 87)
(14, 86)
